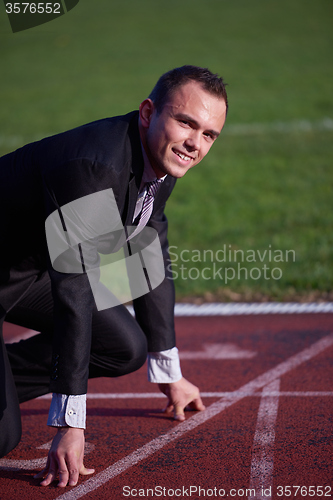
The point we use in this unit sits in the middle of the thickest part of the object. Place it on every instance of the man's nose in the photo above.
(193, 141)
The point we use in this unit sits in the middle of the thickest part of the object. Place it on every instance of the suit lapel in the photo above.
(132, 197)
(136, 171)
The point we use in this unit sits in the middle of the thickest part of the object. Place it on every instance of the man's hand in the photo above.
(65, 458)
(180, 395)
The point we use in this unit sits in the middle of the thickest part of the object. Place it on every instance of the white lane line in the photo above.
(243, 308)
(199, 418)
(231, 309)
(12, 465)
(218, 351)
(262, 465)
(234, 394)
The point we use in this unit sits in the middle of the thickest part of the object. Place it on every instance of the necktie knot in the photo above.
(152, 187)
(147, 207)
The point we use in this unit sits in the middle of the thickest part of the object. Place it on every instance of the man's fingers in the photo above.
(40, 473)
(182, 395)
(168, 408)
(52, 474)
(65, 458)
(73, 478)
(197, 404)
(63, 479)
(86, 472)
(65, 473)
(179, 413)
(72, 473)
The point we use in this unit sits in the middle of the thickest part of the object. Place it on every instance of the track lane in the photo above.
(219, 451)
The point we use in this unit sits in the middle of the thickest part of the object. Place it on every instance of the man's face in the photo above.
(180, 136)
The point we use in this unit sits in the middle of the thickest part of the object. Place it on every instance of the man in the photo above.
(172, 132)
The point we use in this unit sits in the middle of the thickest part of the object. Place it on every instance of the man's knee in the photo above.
(135, 356)
(128, 357)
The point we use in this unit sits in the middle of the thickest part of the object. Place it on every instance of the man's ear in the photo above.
(146, 110)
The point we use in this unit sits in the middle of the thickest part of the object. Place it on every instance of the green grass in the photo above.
(256, 190)
(259, 193)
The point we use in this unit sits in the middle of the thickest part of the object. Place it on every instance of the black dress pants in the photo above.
(118, 347)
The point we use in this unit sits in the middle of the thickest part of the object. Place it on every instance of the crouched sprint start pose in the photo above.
(68, 199)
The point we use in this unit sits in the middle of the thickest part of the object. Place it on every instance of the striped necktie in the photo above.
(147, 207)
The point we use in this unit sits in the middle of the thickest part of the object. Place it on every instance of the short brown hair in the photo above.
(170, 81)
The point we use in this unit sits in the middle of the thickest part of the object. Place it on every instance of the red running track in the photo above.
(266, 381)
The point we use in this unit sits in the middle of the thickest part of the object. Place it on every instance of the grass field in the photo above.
(267, 184)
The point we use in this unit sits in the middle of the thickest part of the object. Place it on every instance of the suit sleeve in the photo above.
(155, 310)
(73, 299)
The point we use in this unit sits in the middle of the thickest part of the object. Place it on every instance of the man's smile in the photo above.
(183, 156)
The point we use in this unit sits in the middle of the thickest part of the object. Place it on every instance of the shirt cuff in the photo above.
(67, 411)
(164, 366)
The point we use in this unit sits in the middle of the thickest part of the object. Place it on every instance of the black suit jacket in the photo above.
(40, 178)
